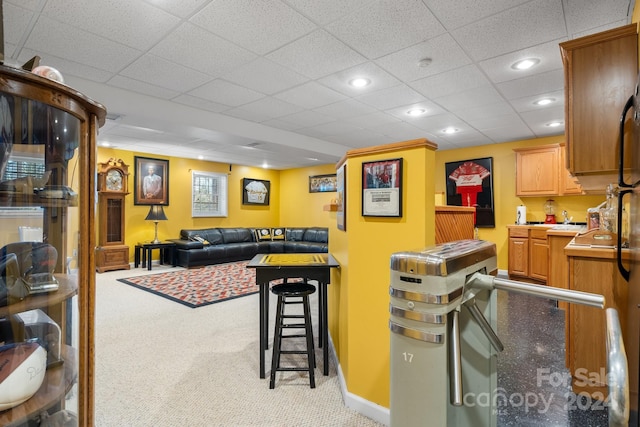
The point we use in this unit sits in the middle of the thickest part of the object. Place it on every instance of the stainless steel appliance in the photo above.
(630, 128)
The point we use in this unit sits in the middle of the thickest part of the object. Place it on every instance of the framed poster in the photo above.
(470, 183)
(255, 191)
(382, 188)
(322, 183)
(151, 181)
(209, 196)
(341, 199)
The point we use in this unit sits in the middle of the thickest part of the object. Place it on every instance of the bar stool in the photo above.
(293, 294)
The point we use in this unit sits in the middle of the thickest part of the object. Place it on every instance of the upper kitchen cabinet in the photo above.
(600, 75)
(540, 171)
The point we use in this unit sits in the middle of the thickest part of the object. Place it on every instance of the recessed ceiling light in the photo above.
(360, 82)
(200, 157)
(554, 124)
(545, 101)
(525, 64)
(416, 112)
(265, 165)
(450, 130)
(105, 144)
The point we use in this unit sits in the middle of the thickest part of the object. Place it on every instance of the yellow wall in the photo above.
(504, 190)
(359, 293)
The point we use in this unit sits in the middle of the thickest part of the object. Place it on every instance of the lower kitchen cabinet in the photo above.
(592, 270)
(528, 252)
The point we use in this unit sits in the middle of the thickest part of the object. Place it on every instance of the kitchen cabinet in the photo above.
(600, 75)
(519, 251)
(540, 171)
(538, 254)
(592, 270)
(47, 157)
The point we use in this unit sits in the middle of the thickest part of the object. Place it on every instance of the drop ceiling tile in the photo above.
(529, 24)
(260, 26)
(251, 116)
(379, 78)
(181, 8)
(536, 84)
(499, 69)
(307, 119)
(485, 112)
(443, 50)
(55, 38)
(360, 138)
(345, 109)
(116, 20)
(527, 103)
(310, 95)
(495, 121)
(471, 98)
(333, 128)
(33, 5)
(226, 93)
(196, 48)
(400, 131)
(326, 11)
(317, 55)
(373, 119)
(392, 97)
(457, 14)
(269, 108)
(509, 133)
(435, 124)
(203, 104)
(158, 71)
(265, 76)
(537, 120)
(588, 15)
(281, 124)
(386, 26)
(16, 23)
(454, 81)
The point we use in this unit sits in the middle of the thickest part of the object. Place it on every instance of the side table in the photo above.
(144, 251)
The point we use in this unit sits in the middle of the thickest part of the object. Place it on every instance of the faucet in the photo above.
(566, 219)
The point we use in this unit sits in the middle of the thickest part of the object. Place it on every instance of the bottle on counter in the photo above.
(609, 213)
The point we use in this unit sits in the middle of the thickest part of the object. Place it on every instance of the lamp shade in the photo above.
(156, 213)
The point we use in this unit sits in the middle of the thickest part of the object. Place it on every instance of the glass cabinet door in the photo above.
(47, 144)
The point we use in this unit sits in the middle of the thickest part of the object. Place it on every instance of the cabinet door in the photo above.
(537, 171)
(600, 75)
(539, 259)
(518, 256)
(569, 184)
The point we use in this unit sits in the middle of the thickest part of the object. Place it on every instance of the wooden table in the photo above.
(310, 266)
(146, 249)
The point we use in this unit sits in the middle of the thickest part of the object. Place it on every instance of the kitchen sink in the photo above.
(568, 227)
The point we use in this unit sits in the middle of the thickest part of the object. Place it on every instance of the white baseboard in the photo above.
(368, 409)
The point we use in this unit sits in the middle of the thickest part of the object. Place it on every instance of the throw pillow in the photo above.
(263, 234)
(277, 234)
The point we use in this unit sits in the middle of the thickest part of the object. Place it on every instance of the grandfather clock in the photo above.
(112, 253)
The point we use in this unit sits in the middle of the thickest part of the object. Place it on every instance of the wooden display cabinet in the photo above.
(454, 223)
(600, 75)
(61, 124)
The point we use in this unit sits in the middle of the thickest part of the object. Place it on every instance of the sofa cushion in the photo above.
(320, 235)
(294, 234)
(236, 235)
(211, 235)
(263, 234)
(277, 234)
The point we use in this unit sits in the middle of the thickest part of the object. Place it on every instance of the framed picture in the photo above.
(470, 183)
(382, 188)
(151, 181)
(341, 199)
(209, 196)
(255, 191)
(322, 183)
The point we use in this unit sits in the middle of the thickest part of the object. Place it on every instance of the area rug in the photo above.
(200, 286)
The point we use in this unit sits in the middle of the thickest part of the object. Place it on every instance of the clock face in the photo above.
(114, 180)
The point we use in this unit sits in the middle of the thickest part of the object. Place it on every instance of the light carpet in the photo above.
(163, 364)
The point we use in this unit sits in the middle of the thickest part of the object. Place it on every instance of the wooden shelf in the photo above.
(68, 287)
(333, 207)
(57, 383)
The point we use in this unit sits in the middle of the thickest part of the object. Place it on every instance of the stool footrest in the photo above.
(285, 369)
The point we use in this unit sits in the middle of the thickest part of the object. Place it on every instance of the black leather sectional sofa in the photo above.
(198, 247)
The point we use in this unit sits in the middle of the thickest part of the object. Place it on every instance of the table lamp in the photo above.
(156, 213)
